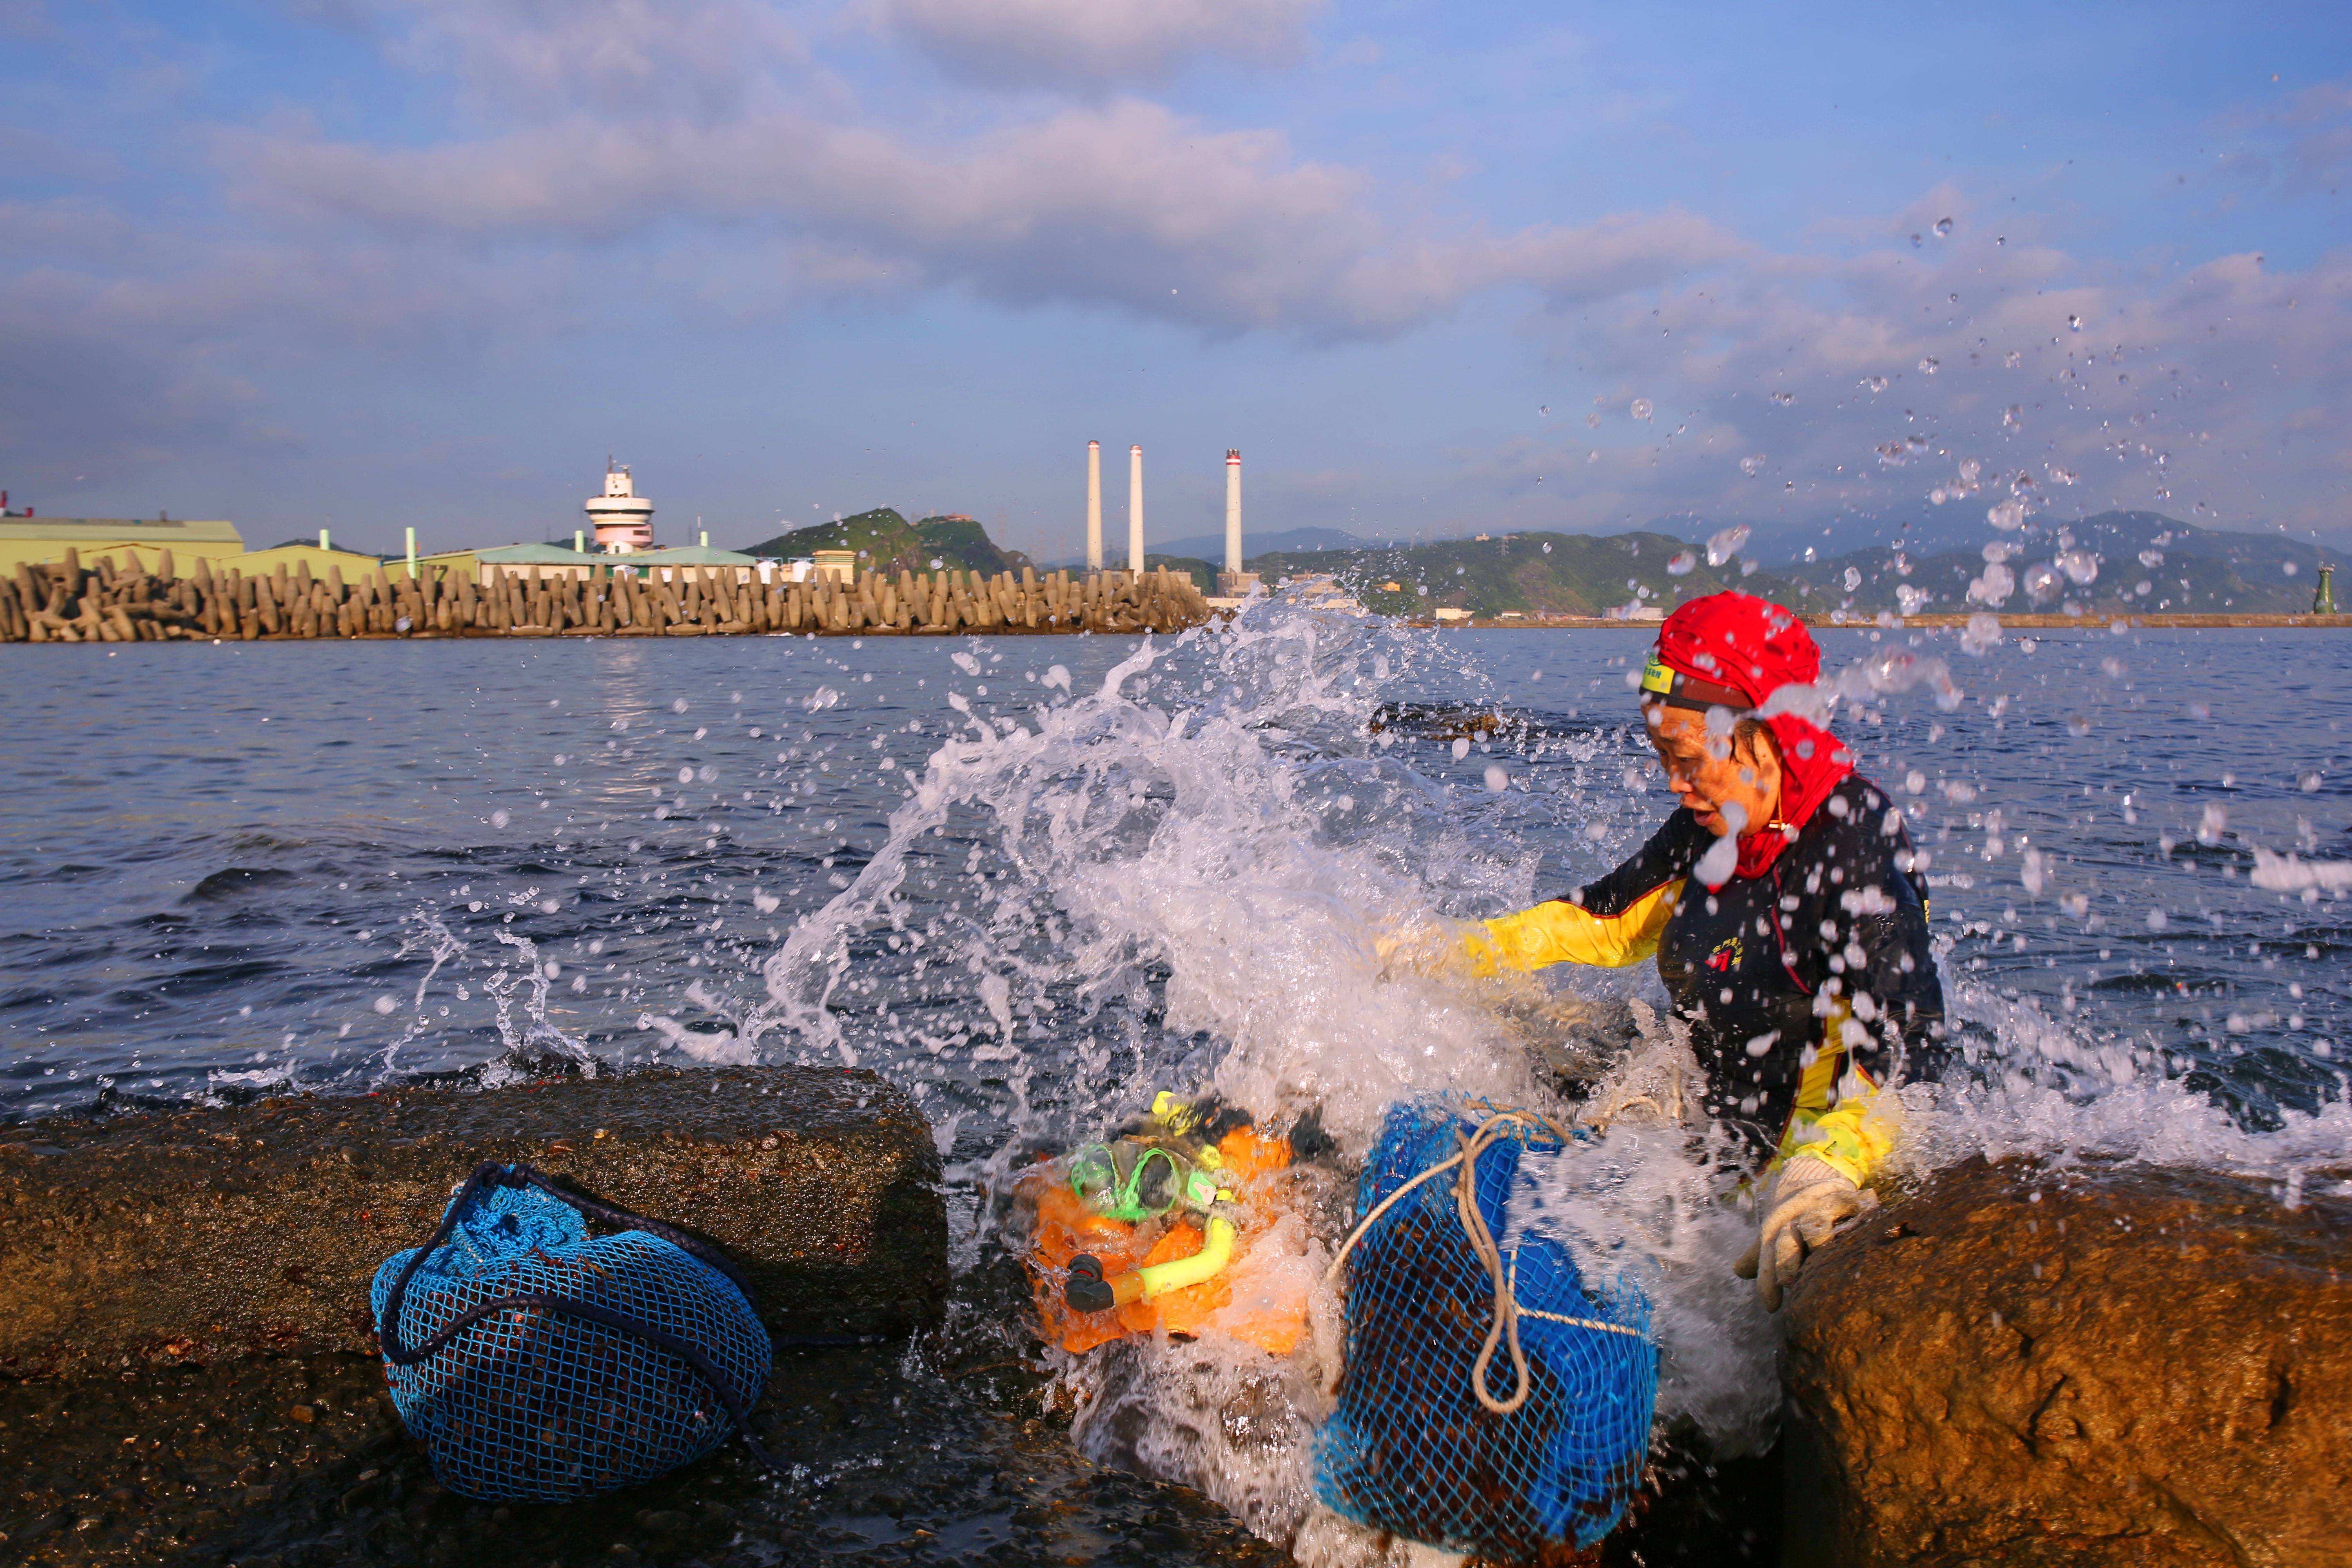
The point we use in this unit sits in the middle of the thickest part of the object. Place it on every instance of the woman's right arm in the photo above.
(1610, 923)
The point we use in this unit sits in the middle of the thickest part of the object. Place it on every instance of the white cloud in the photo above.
(700, 154)
(1094, 44)
(1124, 203)
(2206, 393)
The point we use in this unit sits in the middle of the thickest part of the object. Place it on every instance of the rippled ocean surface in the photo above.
(232, 868)
(1035, 880)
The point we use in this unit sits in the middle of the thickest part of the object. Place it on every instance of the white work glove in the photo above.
(1803, 1210)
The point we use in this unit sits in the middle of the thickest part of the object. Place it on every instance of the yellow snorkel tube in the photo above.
(1089, 1291)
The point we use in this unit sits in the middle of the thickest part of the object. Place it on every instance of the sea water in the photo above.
(1035, 880)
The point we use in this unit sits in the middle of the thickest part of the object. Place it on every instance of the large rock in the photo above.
(258, 1228)
(2127, 1365)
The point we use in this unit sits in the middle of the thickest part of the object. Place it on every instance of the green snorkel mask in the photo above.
(1130, 1180)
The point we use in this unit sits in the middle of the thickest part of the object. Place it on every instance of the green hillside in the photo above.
(886, 541)
(1534, 573)
(2186, 568)
(1203, 573)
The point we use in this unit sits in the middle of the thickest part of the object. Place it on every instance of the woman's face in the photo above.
(1731, 785)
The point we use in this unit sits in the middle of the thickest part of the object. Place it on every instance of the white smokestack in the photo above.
(1135, 509)
(1094, 506)
(1233, 509)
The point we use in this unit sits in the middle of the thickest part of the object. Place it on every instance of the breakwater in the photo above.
(69, 602)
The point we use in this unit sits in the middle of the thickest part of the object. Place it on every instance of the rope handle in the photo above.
(1482, 1241)
(489, 1173)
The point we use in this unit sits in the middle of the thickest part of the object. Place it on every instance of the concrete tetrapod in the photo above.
(2089, 1365)
(151, 1239)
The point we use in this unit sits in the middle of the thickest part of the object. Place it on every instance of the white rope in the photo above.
(1482, 1242)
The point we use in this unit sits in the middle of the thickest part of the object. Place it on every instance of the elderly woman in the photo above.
(1789, 924)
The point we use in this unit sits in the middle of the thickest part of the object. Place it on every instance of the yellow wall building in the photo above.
(44, 541)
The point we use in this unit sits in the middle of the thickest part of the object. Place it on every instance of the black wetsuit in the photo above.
(1764, 968)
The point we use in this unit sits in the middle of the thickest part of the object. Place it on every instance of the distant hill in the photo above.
(1211, 547)
(886, 541)
(1535, 573)
(1203, 573)
(2186, 568)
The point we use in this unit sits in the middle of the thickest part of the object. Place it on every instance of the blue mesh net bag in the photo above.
(540, 1365)
(1551, 1454)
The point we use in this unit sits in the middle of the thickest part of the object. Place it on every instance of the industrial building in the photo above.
(44, 541)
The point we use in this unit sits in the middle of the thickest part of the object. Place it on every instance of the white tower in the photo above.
(1233, 509)
(1233, 584)
(1135, 509)
(1094, 506)
(623, 518)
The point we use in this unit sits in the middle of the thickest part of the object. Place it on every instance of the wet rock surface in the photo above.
(287, 1462)
(893, 1458)
(211, 1405)
(2128, 1366)
(151, 1240)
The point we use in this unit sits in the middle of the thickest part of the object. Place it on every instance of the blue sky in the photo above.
(1429, 266)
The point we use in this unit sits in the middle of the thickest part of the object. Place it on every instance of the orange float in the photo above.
(1229, 1265)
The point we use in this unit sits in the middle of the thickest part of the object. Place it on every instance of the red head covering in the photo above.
(1755, 647)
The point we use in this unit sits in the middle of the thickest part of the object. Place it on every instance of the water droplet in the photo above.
(500, 819)
(2308, 783)
(2013, 417)
(2006, 516)
(1543, 408)
(1682, 563)
(1498, 781)
(2158, 919)
(1853, 578)
(1876, 383)
(1784, 398)
(1641, 408)
(1723, 545)
(1929, 367)
(1546, 547)
(2080, 565)
(1943, 228)
(1592, 421)
(2073, 323)
(1461, 747)
(386, 1006)
(1752, 464)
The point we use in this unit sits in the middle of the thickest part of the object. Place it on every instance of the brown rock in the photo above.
(2123, 1365)
(258, 1228)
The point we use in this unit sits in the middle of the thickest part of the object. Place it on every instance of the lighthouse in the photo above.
(623, 518)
